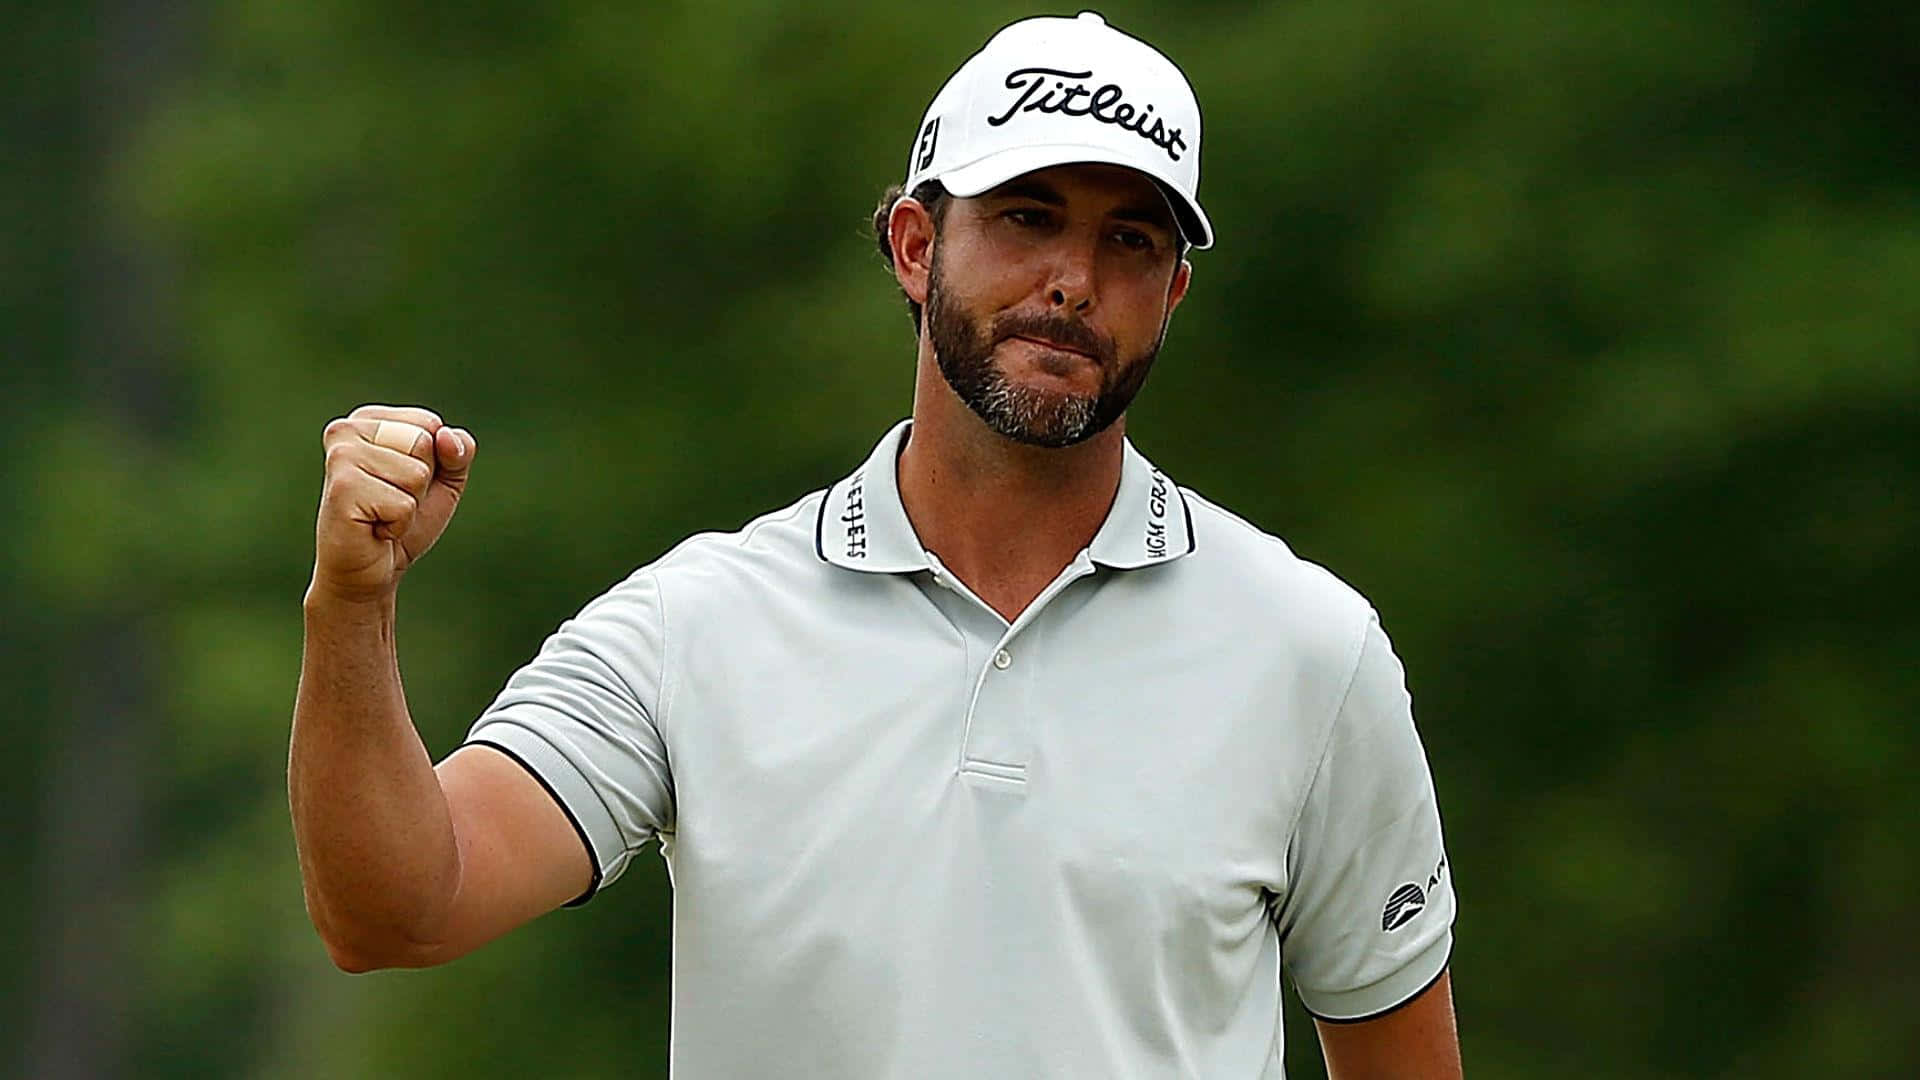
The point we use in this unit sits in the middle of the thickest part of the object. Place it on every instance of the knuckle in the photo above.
(413, 415)
(416, 474)
(402, 436)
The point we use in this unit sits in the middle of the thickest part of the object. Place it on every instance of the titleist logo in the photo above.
(1104, 103)
(855, 517)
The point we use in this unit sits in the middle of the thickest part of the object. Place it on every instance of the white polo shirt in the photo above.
(908, 839)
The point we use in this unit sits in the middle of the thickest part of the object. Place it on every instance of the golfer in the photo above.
(1004, 756)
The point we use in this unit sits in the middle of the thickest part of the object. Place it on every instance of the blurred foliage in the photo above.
(1581, 337)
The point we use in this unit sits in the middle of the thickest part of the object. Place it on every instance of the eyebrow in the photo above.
(1029, 189)
(1146, 214)
(1157, 216)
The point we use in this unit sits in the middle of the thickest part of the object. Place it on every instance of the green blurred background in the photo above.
(1583, 337)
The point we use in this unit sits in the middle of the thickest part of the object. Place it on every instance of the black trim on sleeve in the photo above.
(592, 860)
(1410, 998)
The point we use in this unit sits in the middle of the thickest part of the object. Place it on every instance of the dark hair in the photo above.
(930, 194)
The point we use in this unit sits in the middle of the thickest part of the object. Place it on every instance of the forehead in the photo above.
(1093, 187)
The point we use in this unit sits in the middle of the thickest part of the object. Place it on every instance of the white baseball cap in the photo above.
(1055, 91)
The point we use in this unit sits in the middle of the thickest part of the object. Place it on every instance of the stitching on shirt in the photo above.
(1232, 518)
(667, 689)
(1446, 961)
(611, 600)
(1264, 536)
(973, 702)
(740, 536)
(1398, 820)
(669, 685)
(989, 764)
(651, 717)
(777, 517)
(1333, 721)
(585, 644)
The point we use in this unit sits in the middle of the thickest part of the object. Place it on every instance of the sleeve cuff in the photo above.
(1372, 1002)
(598, 832)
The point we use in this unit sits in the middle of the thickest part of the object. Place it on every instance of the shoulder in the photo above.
(783, 537)
(711, 583)
(734, 575)
(1257, 582)
(779, 544)
(1263, 564)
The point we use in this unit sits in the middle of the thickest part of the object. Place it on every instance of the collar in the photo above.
(863, 526)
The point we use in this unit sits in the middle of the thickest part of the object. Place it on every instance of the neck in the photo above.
(1004, 517)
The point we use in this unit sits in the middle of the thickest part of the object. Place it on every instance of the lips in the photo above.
(1046, 343)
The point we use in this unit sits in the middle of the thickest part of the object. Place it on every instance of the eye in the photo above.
(1134, 240)
(1026, 216)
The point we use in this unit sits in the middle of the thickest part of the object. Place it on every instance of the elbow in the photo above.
(357, 957)
(357, 950)
(352, 953)
(351, 960)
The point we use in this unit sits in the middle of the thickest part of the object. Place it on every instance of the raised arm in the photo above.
(403, 864)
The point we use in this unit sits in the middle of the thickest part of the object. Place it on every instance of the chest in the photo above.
(1092, 749)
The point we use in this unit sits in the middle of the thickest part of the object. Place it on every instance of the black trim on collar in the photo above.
(1140, 529)
(862, 511)
(871, 533)
(820, 526)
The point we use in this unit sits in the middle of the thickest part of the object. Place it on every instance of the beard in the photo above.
(1027, 414)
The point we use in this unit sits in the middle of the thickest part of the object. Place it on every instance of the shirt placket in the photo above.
(997, 739)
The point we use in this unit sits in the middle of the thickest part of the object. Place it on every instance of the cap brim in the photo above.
(995, 169)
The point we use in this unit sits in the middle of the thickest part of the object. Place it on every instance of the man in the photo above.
(1002, 757)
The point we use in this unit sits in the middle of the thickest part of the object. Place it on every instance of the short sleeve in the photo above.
(1367, 920)
(581, 717)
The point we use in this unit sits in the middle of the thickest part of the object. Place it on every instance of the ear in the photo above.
(1177, 289)
(910, 232)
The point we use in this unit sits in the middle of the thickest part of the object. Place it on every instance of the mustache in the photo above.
(1072, 333)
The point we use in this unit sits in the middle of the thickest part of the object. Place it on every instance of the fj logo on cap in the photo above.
(1104, 104)
(928, 138)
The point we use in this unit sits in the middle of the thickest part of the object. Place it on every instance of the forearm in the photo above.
(378, 854)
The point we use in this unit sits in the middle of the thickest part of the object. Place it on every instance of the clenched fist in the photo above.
(393, 477)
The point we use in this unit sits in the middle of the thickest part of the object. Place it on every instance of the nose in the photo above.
(1071, 284)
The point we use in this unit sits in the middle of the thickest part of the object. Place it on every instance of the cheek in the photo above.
(1006, 270)
(978, 274)
(1139, 312)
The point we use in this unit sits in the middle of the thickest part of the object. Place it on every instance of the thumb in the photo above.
(453, 450)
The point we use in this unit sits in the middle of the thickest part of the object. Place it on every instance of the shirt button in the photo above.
(1003, 659)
